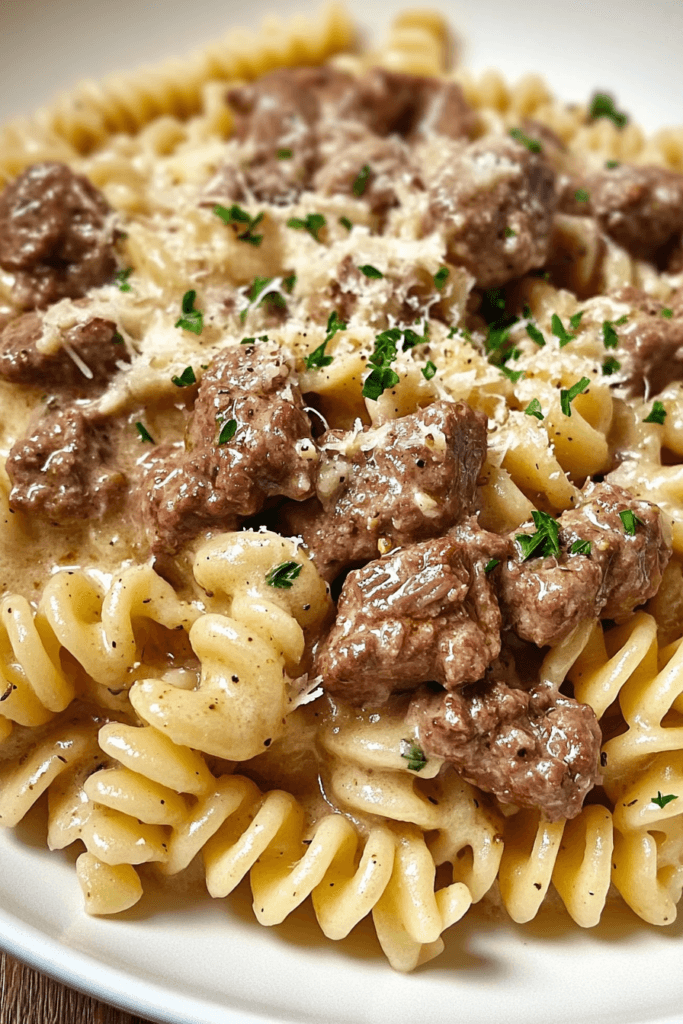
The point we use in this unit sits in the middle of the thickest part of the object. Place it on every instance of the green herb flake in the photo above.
(345, 223)
(429, 370)
(491, 565)
(575, 319)
(602, 105)
(580, 547)
(533, 145)
(560, 331)
(334, 324)
(235, 216)
(122, 279)
(611, 164)
(414, 755)
(497, 342)
(535, 335)
(440, 277)
(610, 366)
(117, 339)
(630, 521)
(282, 576)
(144, 433)
(568, 396)
(545, 542)
(513, 375)
(284, 154)
(609, 335)
(227, 431)
(371, 271)
(666, 313)
(379, 381)
(252, 341)
(581, 195)
(662, 801)
(657, 414)
(313, 223)
(317, 359)
(192, 319)
(534, 409)
(288, 283)
(186, 378)
(509, 233)
(361, 182)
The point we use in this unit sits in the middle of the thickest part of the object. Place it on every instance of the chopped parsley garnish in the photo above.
(282, 576)
(192, 319)
(186, 378)
(535, 335)
(462, 331)
(252, 341)
(235, 216)
(657, 414)
(534, 409)
(313, 223)
(429, 370)
(361, 182)
(440, 277)
(334, 324)
(513, 375)
(667, 313)
(345, 223)
(495, 298)
(227, 431)
(284, 154)
(662, 801)
(533, 145)
(568, 396)
(580, 547)
(491, 565)
(117, 339)
(144, 433)
(498, 344)
(509, 233)
(381, 375)
(560, 331)
(545, 542)
(609, 335)
(611, 164)
(317, 359)
(630, 520)
(581, 195)
(575, 319)
(610, 366)
(414, 755)
(288, 283)
(370, 271)
(122, 279)
(602, 105)
(258, 290)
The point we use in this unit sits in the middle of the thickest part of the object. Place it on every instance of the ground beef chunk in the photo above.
(56, 235)
(63, 470)
(543, 599)
(408, 480)
(532, 748)
(389, 163)
(494, 200)
(650, 345)
(271, 452)
(424, 612)
(95, 343)
(641, 208)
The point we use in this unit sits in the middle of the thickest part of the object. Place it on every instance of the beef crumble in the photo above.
(63, 470)
(410, 479)
(95, 343)
(533, 748)
(641, 208)
(650, 345)
(424, 612)
(249, 439)
(543, 599)
(56, 235)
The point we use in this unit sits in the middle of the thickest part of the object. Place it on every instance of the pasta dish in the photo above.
(342, 500)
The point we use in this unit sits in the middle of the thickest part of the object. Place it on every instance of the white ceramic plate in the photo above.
(184, 958)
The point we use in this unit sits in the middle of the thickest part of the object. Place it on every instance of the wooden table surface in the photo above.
(27, 997)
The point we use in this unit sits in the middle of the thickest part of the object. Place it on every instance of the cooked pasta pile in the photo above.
(169, 704)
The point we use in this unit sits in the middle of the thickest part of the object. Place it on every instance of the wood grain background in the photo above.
(27, 997)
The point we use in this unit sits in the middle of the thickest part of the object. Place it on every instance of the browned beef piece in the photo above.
(423, 612)
(388, 160)
(640, 207)
(650, 345)
(532, 748)
(96, 343)
(56, 235)
(394, 103)
(408, 480)
(495, 201)
(63, 470)
(543, 599)
(214, 484)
